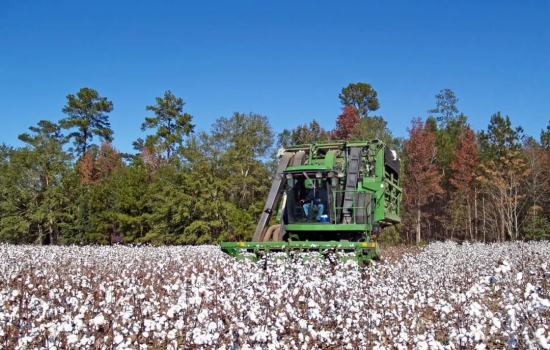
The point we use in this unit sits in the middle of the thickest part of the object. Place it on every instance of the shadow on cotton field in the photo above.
(444, 296)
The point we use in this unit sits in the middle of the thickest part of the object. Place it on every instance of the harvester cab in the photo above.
(306, 199)
(327, 196)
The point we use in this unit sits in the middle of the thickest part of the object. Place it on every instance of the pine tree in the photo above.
(87, 112)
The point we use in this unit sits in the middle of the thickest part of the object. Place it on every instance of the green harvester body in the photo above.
(363, 195)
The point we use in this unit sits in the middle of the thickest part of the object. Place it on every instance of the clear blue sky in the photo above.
(287, 60)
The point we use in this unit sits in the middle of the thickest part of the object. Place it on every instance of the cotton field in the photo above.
(445, 296)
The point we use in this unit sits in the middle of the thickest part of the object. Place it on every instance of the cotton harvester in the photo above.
(328, 196)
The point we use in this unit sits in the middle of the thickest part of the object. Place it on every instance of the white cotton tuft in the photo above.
(99, 320)
(72, 339)
(422, 345)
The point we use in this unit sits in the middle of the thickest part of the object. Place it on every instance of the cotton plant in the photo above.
(198, 297)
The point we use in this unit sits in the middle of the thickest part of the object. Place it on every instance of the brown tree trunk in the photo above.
(484, 227)
(475, 213)
(418, 216)
(502, 229)
(469, 227)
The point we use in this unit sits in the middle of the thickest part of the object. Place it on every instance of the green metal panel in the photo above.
(308, 167)
(330, 159)
(393, 217)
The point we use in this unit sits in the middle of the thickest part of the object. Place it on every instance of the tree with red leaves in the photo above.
(85, 166)
(346, 124)
(463, 164)
(94, 167)
(423, 178)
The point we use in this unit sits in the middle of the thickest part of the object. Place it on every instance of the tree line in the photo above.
(67, 184)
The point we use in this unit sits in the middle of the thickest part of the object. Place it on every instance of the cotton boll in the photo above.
(72, 339)
(543, 341)
(462, 339)
(422, 345)
(260, 337)
(99, 320)
(252, 317)
(24, 341)
(67, 327)
(505, 267)
(477, 334)
(199, 339)
(475, 309)
(545, 303)
(202, 316)
(529, 288)
(403, 337)
(313, 333)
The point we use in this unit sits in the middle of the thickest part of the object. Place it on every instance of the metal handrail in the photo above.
(353, 208)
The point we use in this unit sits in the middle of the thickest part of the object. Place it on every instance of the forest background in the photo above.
(69, 185)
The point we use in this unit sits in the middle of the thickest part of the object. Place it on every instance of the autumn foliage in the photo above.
(422, 181)
(94, 167)
(346, 124)
(464, 162)
(463, 168)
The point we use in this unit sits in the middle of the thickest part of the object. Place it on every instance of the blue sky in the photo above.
(287, 60)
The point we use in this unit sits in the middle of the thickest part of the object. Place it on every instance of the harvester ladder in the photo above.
(273, 196)
(354, 160)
